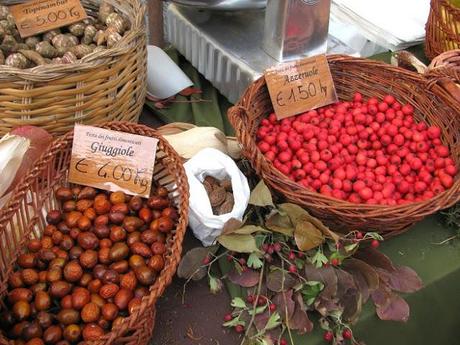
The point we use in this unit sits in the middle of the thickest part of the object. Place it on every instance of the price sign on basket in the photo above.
(112, 160)
(301, 85)
(38, 16)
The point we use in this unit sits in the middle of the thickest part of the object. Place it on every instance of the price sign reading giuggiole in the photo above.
(112, 160)
(301, 85)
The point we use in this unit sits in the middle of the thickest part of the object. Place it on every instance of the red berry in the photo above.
(283, 342)
(228, 317)
(328, 336)
(277, 247)
(293, 268)
(291, 256)
(206, 260)
(375, 244)
(347, 334)
(261, 300)
(272, 307)
(335, 262)
(239, 328)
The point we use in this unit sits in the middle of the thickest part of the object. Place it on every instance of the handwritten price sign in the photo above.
(301, 85)
(112, 160)
(38, 16)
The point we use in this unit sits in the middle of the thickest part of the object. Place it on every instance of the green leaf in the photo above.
(258, 310)
(350, 248)
(234, 322)
(319, 259)
(261, 196)
(373, 235)
(238, 243)
(279, 222)
(307, 236)
(254, 261)
(311, 290)
(215, 285)
(238, 302)
(274, 321)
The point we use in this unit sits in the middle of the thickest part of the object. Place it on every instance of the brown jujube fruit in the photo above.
(117, 322)
(47, 242)
(42, 276)
(20, 294)
(98, 300)
(131, 223)
(92, 332)
(158, 248)
(49, 230)
(87, 193)
(34, 245)
(69, 206)
(111, 276)
(116, 217)
(17, 329)
(102, 206)
(134, 237)
(103, 323)
(84, 223)
(136, 261)
(60, 288)
(141, 291)
(145, 275)
(94, 285)
(122, 298)
(68, 316)
(105, 243)
(162, 192)
(88, 259)
(75, 191)
(73, 271)
(108, 291)
(42, 301)
(88, 240)
(38, 287)
(15, 280)
(117, 234)
(72, 333)
(66, 302)
(165, 224)
(157, 203)
(46, 255)
(21, 310)
(66, 243)
(33, 330)
(90, 312)
(75, 252)
(134, 304)
(141, 249)
(85, 279)
(101, 220)
(102, 231)
(80, 298)
(53, 217)
(27, 260)
(119, 251)
(156, 263)
(98, 271)
(57, 262)
(148, 237)
(170, 212)
(120, 208)
(120, 266)
(90, 213)
(29, 276)
(135, 204)
(52, 335)
(74, 232)
(64, 228)
(83, 204)
(117, 197)
(63, 342)
(104, 256)
(71, 219)
(63, 194)
(35, 341)
(109, 311)
(44, 319)
(128, 281)
(145, 214)
(6, 319)
(57, 237)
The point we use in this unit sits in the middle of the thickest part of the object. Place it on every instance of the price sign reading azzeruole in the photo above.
(38, 16)
(301, 85)
(112, 160)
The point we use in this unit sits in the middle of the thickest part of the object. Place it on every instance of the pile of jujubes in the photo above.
(97, 257)
(60, 46)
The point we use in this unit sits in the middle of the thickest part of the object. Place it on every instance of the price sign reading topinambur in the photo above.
(301, 85)
(38, 16)
(112, 160)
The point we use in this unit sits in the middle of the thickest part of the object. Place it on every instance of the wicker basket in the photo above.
(103, 86)
(442, 28)
(371, 78)
(24, 218)
(445, 70)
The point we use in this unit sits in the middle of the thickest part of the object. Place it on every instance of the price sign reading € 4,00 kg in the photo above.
(301, 85)
(112, 160)
(37, 16)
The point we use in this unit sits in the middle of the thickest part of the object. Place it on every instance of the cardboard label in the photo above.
(112, 160)
(301, 85)
(38, 16)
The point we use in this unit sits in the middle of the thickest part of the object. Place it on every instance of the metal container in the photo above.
(224, 5)
(296, 28)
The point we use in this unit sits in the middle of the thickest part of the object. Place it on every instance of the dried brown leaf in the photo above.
(375, 258)
(275, 281)
(247, 278)
(285, 304)
(325, 275)
(299, 320)
(191, 265)
(307, 236)
(368, 272)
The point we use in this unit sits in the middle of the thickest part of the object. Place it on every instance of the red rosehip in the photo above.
(375, 244)
(239, 328)
(347, 334)
(328, 336)
(228, 317)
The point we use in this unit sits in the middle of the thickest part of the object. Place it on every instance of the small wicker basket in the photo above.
(24, 218)
(371, 78)
(442, 28)
(103, 86)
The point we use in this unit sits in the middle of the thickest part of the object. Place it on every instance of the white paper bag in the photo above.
(211, 162)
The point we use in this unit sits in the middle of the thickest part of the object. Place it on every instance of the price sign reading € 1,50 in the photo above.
(37, 16)
(301, 85)
(112, 160)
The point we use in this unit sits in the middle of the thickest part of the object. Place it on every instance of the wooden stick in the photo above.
(155, 14)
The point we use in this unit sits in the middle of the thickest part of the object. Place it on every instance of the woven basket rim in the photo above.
(165, 276)
(89, 62)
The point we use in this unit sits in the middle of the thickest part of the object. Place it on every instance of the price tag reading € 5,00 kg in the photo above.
(112, 160)
(38, 16)
(301, 85)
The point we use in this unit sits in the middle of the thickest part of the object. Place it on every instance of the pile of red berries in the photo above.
(362, 151)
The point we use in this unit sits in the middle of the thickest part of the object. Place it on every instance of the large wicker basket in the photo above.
(24, 218)
(442, 28)
(103, 86)
(371, 78)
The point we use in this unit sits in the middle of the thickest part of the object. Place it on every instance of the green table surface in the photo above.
(435, 309)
